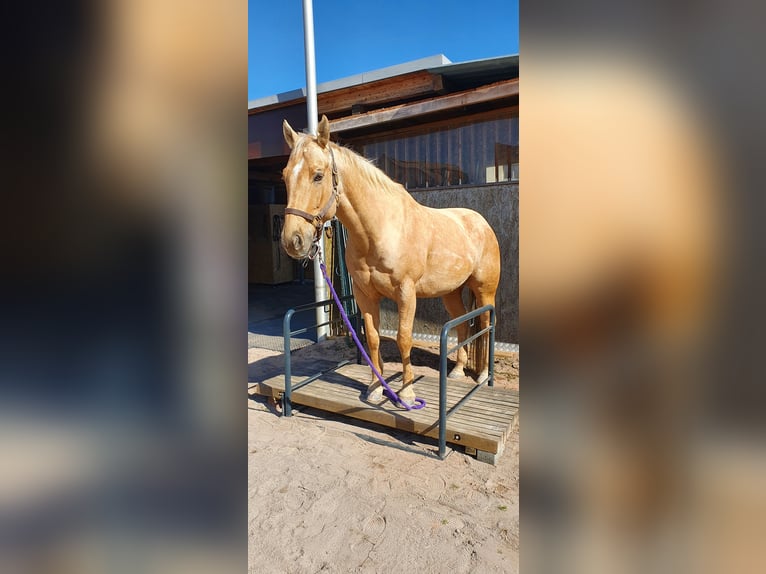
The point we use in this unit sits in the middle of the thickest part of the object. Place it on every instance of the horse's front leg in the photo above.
(370, 309)
(407, 303)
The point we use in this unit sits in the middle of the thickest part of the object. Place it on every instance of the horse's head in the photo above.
(311, 187)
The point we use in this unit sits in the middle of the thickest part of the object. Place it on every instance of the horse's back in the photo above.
(475, 229)
(467, 234)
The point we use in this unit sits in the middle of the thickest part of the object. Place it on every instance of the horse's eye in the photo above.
(318, 177)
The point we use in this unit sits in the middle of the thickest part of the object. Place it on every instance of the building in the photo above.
(447, 132)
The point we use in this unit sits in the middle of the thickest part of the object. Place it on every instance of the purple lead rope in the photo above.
(419, 403)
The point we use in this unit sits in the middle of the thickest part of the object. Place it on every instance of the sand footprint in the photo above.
(429, 486)
(298, 497)
(374, 527)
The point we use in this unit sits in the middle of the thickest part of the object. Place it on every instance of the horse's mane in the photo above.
(371, 175)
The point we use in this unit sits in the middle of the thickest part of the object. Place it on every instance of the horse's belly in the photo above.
(428, 286)
(431, 286)
(444, 272)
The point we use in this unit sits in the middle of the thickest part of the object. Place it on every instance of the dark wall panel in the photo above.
(499, 204)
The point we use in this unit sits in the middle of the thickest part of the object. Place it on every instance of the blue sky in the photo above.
(354, 36)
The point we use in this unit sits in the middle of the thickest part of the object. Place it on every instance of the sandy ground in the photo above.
(328, 494)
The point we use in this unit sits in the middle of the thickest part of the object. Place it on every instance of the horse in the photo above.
(397, 248)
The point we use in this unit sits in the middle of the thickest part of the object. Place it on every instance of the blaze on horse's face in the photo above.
(308, 177)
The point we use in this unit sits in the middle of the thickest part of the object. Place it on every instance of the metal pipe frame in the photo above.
(287, 333)
(444, 351)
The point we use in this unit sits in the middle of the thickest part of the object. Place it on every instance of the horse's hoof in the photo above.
(375, 396)
(483, 376)
(410, 403)
(407, 398)
(456, 373)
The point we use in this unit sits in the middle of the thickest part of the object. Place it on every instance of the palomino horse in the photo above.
(396, 248)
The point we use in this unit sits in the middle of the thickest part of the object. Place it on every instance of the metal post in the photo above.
(311, 76)
(491, 357)
(443, 394)
(320, 292)
(444, 350)
(287, 405)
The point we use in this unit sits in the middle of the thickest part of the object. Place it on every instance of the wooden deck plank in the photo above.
(483, 423)
(491, 394)
(488, 396)
(478, 412)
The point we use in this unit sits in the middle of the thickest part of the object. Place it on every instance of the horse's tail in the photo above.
(478, 350)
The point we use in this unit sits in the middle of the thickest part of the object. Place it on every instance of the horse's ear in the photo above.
(289, 133)
(323, 131)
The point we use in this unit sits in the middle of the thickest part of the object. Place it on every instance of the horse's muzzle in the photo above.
(297, 241)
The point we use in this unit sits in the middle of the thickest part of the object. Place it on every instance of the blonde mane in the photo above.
(373, 178)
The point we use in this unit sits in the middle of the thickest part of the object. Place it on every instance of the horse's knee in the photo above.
(404, 340)
(373, 340)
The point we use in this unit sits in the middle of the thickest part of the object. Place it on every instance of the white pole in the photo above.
(320, 292)
(311, 75)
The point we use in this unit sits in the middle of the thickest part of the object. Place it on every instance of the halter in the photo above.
(318, 220)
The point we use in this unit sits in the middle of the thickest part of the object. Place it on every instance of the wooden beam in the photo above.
(378, 93)
(372, 94)
(491, 92)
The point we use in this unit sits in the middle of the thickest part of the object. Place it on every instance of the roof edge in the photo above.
(427, 63)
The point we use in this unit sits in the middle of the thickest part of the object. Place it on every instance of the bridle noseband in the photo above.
(318, 220)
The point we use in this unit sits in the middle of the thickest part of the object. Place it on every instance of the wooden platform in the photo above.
(481, 425)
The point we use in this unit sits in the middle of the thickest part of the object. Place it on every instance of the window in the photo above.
(477, 152)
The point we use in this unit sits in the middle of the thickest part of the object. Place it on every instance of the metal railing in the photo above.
(287, 407)
(444, 351)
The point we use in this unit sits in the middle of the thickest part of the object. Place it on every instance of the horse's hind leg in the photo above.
(454, 304)
(370, 309)
(484, 298)
(483, 283)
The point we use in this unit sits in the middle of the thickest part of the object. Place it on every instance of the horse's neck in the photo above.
(366, 212)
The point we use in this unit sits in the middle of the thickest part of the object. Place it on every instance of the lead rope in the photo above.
(419, 403)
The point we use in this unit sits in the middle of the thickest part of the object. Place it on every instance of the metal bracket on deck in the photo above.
(287, 406)
(444, 351)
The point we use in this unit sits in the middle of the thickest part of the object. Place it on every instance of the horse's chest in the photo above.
(381, 282)
(384, 283)
(374, 277)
